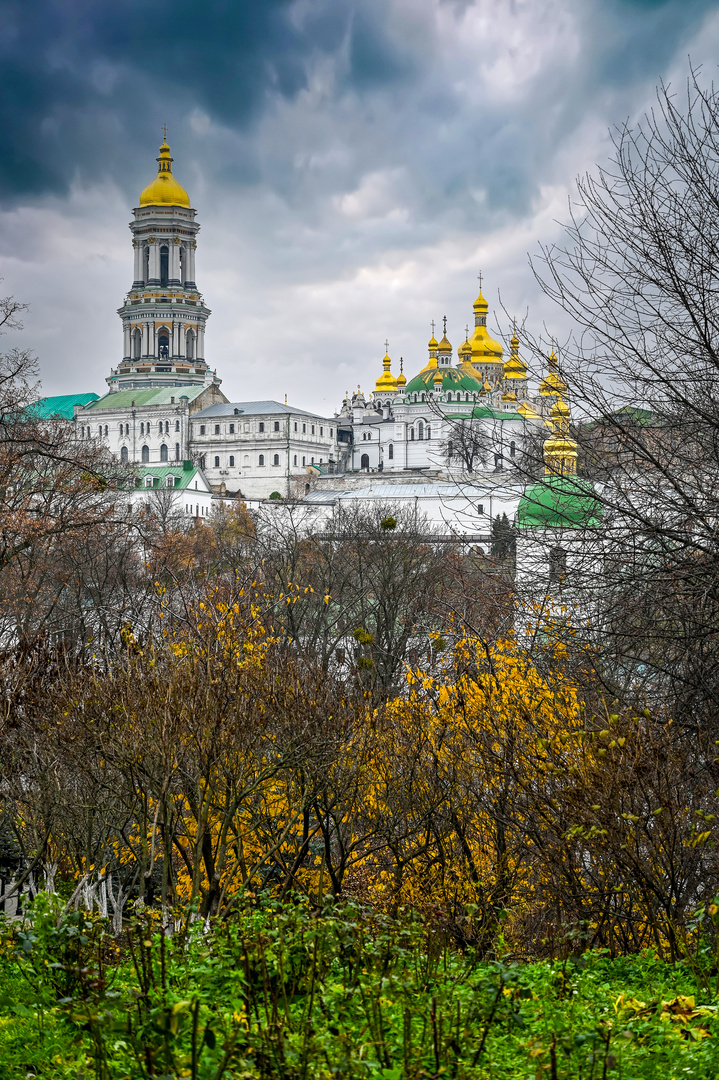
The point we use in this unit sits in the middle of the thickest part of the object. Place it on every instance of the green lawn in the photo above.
(280, 992)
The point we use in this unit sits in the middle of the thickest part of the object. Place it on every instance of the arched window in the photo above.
(217, 462)
(145, 454)
(247, 460)
(512, 449)
(276, 459)
(304, 460)
(177, 451)
(177, 425)
(163, 345)
(190, 345)
(159, 428)
(167, 427)
(411, 434)
(295, 461)
(420, 430)
(163, 452)
(364, 462)
(164, 263)
(390, 452)
(232, 461)
(262, 460)
(428, 432)
(202, 464)
(142, 429)
(124, 455)
(136, 343)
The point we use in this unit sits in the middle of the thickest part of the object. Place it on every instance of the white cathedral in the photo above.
(447, 441)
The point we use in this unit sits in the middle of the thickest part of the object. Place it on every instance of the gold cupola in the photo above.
(553, 385)
(386, 383)
(164, 190)
(401, 378)
(560, 451)
(444, 349)
(432, 346)
(515, 368)
(484, 347)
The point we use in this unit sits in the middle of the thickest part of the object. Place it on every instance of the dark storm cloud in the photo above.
(85, 84)
(75, 75)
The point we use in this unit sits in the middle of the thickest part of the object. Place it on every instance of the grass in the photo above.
(283, 992)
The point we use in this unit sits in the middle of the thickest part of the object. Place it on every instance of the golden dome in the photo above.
(432, 343)
(164, 190)
(483, 346)
(553, 385)
(526, 410)
(560, 451)
(444, 345)
(437, 378)
(386, 381)
(515, 368)
(465, 348)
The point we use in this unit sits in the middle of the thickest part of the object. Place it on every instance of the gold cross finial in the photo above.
(479, 277)
(466, 332)
(432, 324)
(386, 346)
(401, 363)
(164, 131)
(444, 320)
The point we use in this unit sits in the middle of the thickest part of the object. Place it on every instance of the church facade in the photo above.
(164, 405)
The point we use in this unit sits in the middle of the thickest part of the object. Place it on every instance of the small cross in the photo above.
(401, 363)
(432, 324)
(164, 131)
(479, 276)
(386, 346)
(444, 319)
(466, 332)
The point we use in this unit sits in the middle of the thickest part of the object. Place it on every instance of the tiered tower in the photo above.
(163, 316)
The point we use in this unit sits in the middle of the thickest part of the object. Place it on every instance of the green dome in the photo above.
(560, 502)
(452, 379)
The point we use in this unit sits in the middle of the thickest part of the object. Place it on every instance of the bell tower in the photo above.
(163, 316)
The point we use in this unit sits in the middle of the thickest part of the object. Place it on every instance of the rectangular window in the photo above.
(295, 459)
(277, 425)
(262, 426)
(232, 461)
(202, 429)
(304, 429)
(232, 429)
(217, 463)
(217, 429)
(295, 425)
(322, 431)
(313, 429)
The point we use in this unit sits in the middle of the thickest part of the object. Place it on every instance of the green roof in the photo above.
(452, 379)
(186, 470)
(157, 395)
(60, 407)
(559, 502)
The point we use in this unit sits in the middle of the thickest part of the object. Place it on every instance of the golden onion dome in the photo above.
(432, 343)
(553, 385)
(164, 190)
(465, 348)
(386, 381)
(480, 304)
(444, 345)
(437, 378)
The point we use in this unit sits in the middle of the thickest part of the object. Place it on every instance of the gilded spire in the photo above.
(164, 190)
(553, 385)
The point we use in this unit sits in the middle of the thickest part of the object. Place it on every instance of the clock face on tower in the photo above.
(164, 315)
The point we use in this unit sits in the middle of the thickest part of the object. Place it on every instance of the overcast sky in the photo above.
(353, 164)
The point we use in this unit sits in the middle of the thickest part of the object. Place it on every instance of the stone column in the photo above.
(138, 262)
(154, 263)
(127, 339)
(200, 341)
(173, 270)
